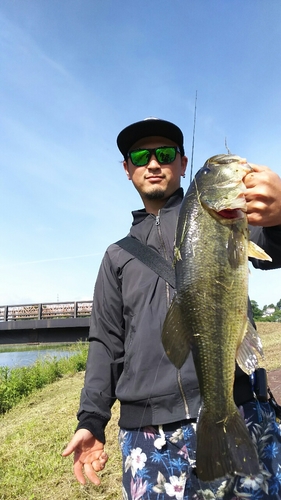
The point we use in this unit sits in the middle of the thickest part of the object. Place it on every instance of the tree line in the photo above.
(269, 312)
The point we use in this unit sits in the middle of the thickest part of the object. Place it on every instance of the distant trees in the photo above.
(269, 312)
(257, 313)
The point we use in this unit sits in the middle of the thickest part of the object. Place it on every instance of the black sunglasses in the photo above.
(163, 154)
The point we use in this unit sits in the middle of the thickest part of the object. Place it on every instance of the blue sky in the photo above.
(73, 74)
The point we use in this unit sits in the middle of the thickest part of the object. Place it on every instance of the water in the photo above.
(26, 358)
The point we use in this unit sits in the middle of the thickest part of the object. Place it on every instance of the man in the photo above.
(126, 357)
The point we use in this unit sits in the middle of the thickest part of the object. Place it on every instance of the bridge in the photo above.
(48, 322)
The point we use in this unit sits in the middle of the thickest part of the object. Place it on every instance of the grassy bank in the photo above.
(16, 383)
(33, 347)
(34, 433)
(270, 334)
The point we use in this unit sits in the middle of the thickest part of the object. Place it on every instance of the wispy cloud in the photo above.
(55, 259)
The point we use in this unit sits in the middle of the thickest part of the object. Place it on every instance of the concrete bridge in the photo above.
(44, 323)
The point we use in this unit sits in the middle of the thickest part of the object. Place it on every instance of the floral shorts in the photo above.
(160, 465)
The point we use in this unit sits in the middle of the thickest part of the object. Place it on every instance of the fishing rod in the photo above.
(226, 146)
(193, 137)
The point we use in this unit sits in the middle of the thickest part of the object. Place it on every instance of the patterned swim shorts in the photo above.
(161, 464)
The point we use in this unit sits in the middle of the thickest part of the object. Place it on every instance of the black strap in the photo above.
(150, 258)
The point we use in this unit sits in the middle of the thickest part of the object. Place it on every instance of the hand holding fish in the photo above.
(263, 196)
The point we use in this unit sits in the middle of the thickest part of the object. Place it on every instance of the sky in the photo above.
(76, 72)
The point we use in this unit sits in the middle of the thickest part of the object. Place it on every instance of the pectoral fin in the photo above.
(257, 252)
(174, 337)
(236, 247)
(246, 356)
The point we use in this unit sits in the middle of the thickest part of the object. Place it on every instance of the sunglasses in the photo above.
(164, 155)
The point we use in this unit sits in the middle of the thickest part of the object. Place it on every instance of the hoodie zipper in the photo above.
(157, 223)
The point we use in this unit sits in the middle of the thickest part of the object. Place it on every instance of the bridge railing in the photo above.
(50, 310)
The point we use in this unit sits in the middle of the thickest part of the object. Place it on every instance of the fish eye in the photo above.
(205, 170)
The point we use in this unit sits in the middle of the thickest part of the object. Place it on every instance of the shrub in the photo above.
(17, 383)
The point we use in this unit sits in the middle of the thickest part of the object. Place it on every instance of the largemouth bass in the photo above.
(208, 314)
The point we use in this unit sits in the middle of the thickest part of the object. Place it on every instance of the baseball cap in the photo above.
(147, 128)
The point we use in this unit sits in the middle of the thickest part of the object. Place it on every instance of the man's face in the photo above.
(155, 181)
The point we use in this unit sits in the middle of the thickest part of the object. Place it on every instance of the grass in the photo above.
(34, 433)
(33, 347)
(270, 334)
(16, 383)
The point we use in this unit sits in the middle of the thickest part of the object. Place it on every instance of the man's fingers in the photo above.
(103, 458)
(90, 473)
(99, 464)
(258, 168)
(89, 456)
(78, 472)
(90, 469)
(69, 449)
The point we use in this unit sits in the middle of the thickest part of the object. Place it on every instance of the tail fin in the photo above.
(224, 448)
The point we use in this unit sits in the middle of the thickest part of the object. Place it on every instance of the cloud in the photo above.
(55, 259)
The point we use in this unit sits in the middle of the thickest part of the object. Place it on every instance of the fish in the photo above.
(208, 313)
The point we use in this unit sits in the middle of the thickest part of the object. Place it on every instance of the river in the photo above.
(26, 358)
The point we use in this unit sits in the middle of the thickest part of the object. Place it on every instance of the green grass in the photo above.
(34, 347)
(270, 334)
(16, 383)
(35, 431)
(33, 436)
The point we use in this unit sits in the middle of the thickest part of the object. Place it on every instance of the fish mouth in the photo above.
(231, 213)
(228, 208)
(227, 216)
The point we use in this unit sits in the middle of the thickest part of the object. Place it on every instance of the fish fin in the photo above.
(224, 448)
(177, 255)
(174, 336)
(245, 356)
(178, 244)
(236, 247)
(257, 252)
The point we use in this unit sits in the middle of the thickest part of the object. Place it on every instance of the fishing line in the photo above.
(226, 147)
(193, 137)
(206, 489)
(204, 493)
(191, 169)
(148, 398)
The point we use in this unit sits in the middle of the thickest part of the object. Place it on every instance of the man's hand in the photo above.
(263, 196)
(88, 454)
